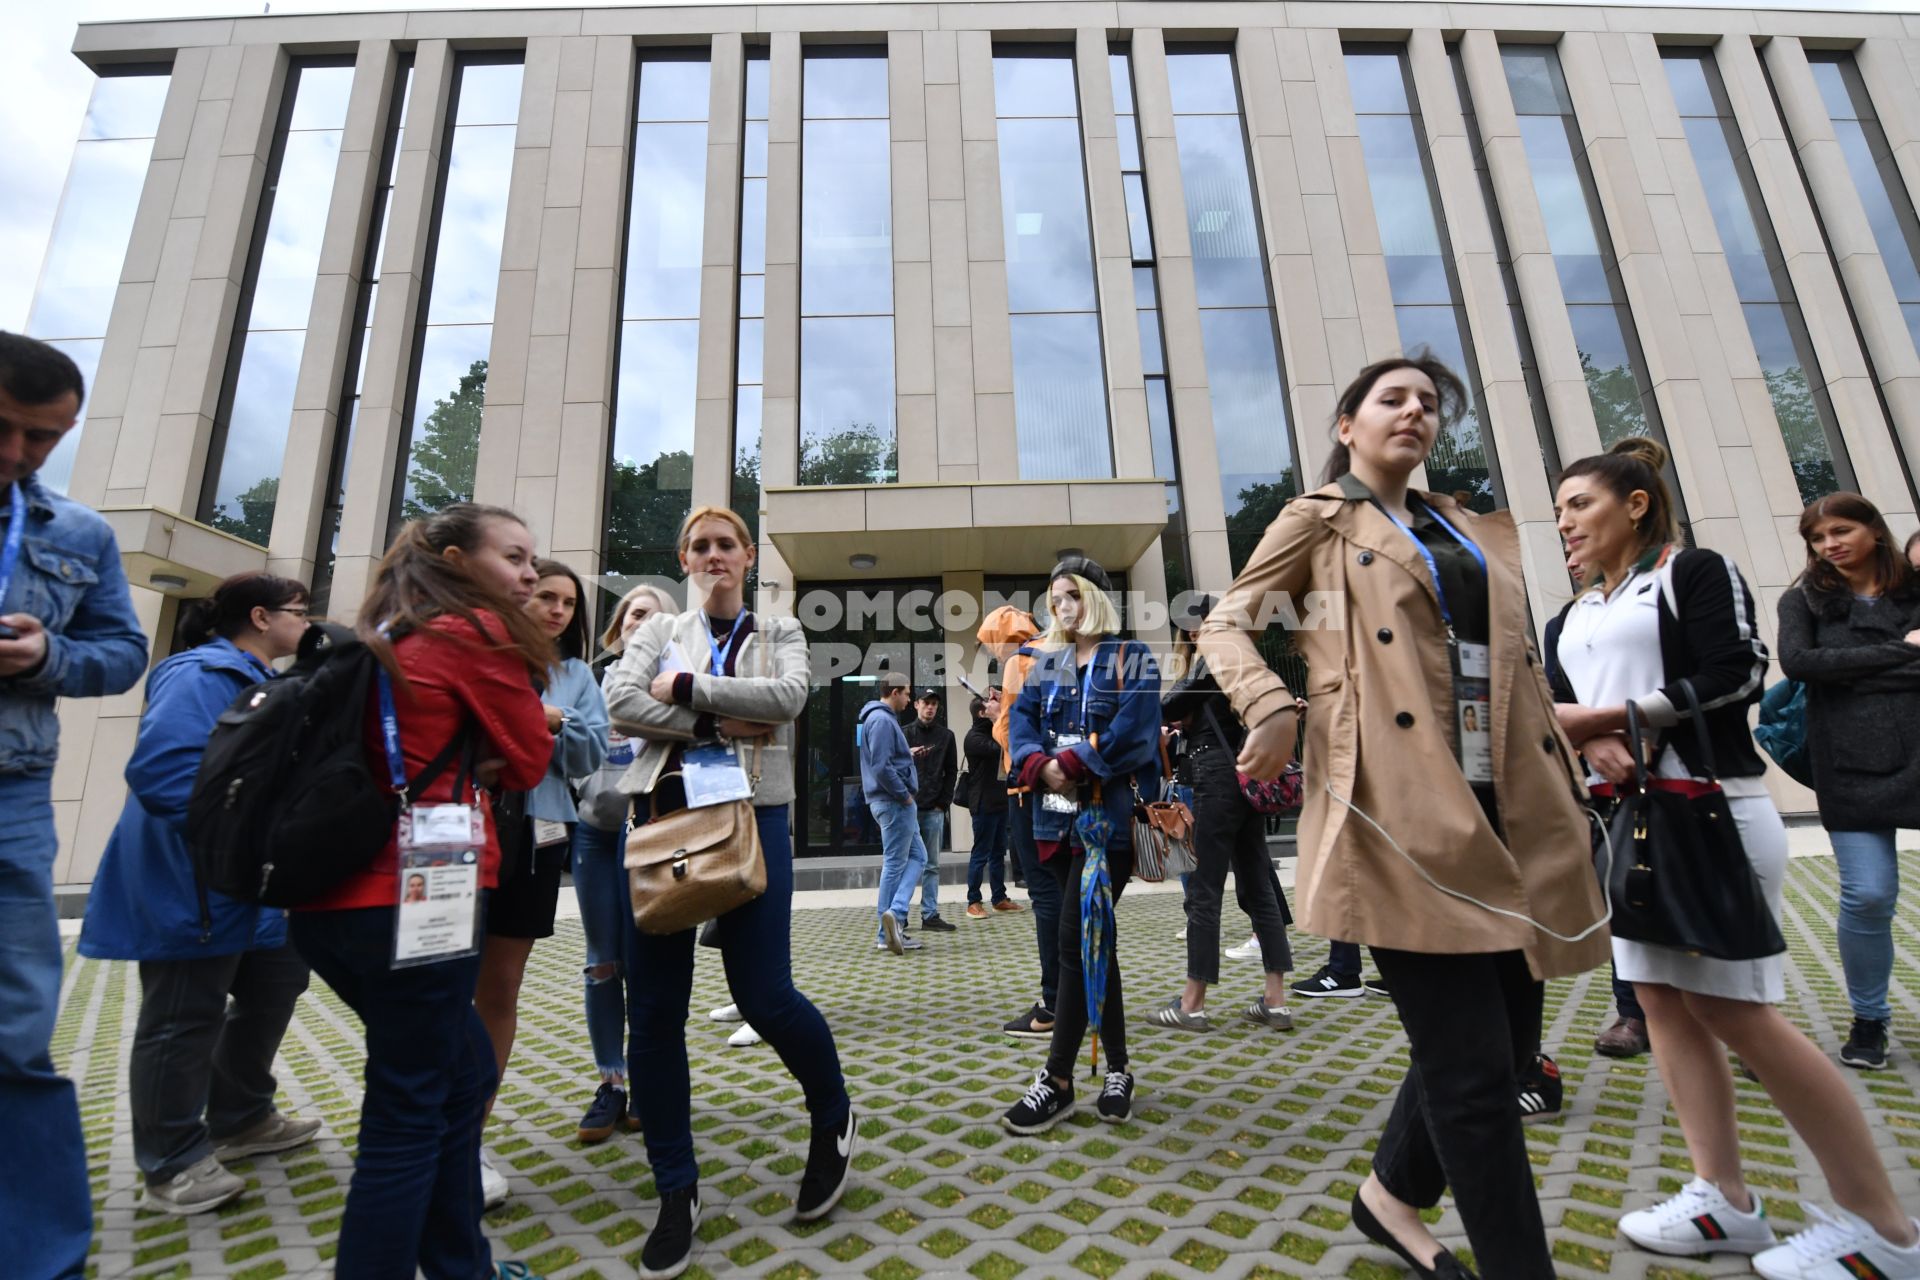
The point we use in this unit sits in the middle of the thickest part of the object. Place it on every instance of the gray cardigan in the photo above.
(1863, 704)
(771, 689)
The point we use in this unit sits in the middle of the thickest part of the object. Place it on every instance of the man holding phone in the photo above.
(67, 630)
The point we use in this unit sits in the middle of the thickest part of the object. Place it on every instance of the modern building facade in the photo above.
(933, 292)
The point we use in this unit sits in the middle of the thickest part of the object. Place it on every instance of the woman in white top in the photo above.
(1657, 615)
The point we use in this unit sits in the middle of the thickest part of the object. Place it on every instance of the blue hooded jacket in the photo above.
(147, 901)
(887, 771)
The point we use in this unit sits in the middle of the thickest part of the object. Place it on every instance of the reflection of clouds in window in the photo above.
(1869, 158)
(257, 424)
(673, 90)
(290, 255)
(1043, 194)
(846, 219)
(1220, 221)
(82, 268)
(473, 221)
(1249, 409)
(57, 471)
(845, 88)
(1202, 83)
(667, 219)
(1034, 86)
(322, 101)
(489, 94)
(125, 107)
(846, 370)
(1060, 397)
(654, 412)
(1556, 183)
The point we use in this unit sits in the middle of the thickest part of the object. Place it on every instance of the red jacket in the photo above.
(450, 683)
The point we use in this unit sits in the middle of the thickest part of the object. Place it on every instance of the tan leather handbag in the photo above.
(693, 865)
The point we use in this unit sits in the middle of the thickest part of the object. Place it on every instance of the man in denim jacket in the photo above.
(67, 630)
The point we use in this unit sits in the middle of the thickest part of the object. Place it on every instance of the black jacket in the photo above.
(1709, 639)
(1863, 703)
(939, 767)
(986, 786)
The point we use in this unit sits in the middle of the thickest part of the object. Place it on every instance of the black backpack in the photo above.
(285, 807)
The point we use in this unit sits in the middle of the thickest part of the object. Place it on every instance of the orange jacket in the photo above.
(1006, 629)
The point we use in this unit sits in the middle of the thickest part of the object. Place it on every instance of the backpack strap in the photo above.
(460, 744)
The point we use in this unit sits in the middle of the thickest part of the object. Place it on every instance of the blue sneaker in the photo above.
(607, 1114)
(515, 1271)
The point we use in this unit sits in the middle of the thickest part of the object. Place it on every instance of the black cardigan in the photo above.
(1709, 639)
(1863, 703)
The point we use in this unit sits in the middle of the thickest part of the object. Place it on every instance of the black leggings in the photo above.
(1070, 1004)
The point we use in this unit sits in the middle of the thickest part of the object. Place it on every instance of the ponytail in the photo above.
(228, 612)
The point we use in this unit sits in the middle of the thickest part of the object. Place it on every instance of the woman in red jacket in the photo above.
(446, 619)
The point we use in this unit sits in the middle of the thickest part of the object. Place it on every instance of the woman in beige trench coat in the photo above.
(1471, 896)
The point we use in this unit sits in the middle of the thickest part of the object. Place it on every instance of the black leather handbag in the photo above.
(1680, 876)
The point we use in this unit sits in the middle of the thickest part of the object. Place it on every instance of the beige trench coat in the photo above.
(1381, 730)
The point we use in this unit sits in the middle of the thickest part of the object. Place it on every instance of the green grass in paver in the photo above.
(792, 1271)
(1042, 1238)
(945, 1242)
(996, 1266)
(1200, 1256)
(893, 1269)
(1096, 1261)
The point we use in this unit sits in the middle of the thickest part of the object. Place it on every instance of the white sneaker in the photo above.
(1182, 935)
(1840, 1246)
(207, 1185)
(745, 1036)
(493, 1184)
(1248, 950)
(1700, 1221)
(726, 1013)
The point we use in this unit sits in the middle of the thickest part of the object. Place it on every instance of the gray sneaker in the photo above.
(205, 1186)
(274, 1133)
(1280, 1019)
(1172, 1015)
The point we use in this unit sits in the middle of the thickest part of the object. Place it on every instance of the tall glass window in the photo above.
(81, 273)
(1146, 300)
(450, 363)
(348, 416)
(1617, 383)
(256, 407)
(847, 431)
(1426, 294)
(750, 348)
(1510, 285)
(1257, 471)
(1876, 175)
(1799, 393)
(651, 483)
(1059, 380)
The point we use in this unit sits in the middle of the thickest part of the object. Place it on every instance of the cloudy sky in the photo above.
(43, 94)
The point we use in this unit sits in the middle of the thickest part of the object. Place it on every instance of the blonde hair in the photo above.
(725, 514)
(611, 640)
(1098, 616)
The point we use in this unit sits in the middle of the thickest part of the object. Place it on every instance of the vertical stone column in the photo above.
(1113, 258)
(996, 432)
(1180, 316)
(1506, 414)
(330, 330)
(1863, 274)
(1728, 500)
(953, 390)
(397, 312)
(1890, 67)
(780, 401)
(719, 277)
(1561, 380)
(1823, 305)
(915, 385)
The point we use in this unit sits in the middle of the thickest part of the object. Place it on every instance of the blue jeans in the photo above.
(1046, 895)
(989, 857)
(756, 948)
(903, 856)
(46, 1208)
(1344, 959)
(933, 825)
(414, 1201)
(1869, 888)
(600, 882)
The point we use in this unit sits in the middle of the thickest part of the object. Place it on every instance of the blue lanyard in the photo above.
(1086, 690)
(1433, 567)
(720, 654)
(390, 734)
(16, 530)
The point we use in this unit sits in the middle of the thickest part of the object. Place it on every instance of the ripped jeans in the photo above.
(600, 881)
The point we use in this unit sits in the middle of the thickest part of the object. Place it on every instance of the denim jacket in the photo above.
(69, 577)
(1123, 711)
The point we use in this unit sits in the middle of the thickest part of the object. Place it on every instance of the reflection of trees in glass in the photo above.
(1259, 503)
(857, 455)
(441, 470)
(1457, 466)
(645, 504)
(1615, 393)
(1807, 447)
(255, 521)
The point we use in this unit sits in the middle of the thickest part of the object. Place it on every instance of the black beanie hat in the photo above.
(1083, 567)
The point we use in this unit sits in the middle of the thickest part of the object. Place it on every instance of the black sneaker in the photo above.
(1866, 1045)
(1540, 1089)
(1376, 986)
(934, 924)
(1035, 1024)
(829, 1168)
(1044, 1106)
(1325, 983)
(1116, 1097)
(669, 1246)
(608, 1113)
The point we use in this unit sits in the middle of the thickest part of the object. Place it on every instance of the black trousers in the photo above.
(1471, 1022)
(1070, 1004)
(1229, 835)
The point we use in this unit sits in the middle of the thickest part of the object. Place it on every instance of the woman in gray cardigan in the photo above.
(720, 674)
(1848, 631)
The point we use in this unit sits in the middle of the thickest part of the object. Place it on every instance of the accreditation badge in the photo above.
(439, 883)
(1473, 710)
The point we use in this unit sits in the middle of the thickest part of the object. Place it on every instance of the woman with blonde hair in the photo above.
(718, 674)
